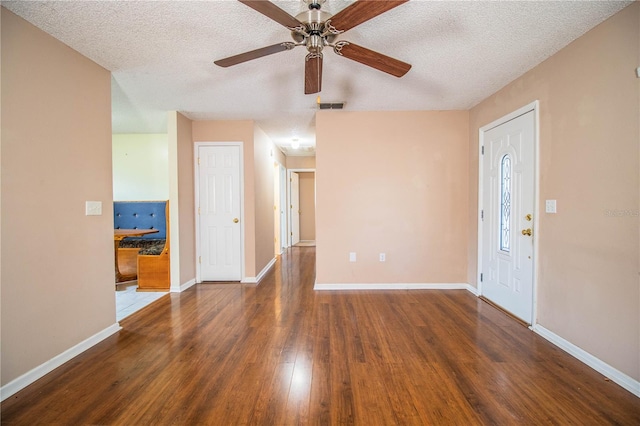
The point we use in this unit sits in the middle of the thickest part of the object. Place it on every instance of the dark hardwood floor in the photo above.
(282, 354)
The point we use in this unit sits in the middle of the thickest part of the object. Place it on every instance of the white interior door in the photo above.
(219, 213)
(295, 208)
(507, 215)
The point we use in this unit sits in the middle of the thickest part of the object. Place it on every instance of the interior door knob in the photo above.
(526, 232)
(236, 220)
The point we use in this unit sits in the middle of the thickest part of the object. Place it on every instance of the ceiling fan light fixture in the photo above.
(295, 143)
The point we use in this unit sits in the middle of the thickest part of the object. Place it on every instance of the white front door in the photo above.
(507, 215)
(219, 213)
(295, 208)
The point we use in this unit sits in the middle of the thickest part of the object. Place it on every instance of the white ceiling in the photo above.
(161, 56)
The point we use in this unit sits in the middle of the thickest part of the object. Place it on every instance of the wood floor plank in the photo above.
(280, 353)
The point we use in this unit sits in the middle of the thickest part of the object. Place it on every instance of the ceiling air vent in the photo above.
(328, 105)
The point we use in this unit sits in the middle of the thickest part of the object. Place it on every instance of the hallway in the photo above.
(280, 353)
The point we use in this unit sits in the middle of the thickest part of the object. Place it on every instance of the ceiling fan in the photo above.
(316, 29)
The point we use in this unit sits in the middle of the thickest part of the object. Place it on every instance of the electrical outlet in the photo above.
(352, 257)
(383, 257)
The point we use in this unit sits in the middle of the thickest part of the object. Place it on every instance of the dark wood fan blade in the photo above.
(272, 11)
(313, 74)
(254, 54)
(361, 11)
(373, 59)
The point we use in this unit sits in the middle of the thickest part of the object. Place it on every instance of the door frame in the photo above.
(196, 185)
(282, 202)
(535, 107)
(289, 171)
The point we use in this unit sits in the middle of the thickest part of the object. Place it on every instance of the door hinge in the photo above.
(199, 259)
(482, 214)
(291, 206)
(198, 161)
(482, 149)
(292, 234)
(198, 211)
(481, 277)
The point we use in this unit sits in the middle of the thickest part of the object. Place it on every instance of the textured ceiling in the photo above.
(161, 56)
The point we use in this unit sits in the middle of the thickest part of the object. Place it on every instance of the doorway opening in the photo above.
(140, 171)
(302, 208)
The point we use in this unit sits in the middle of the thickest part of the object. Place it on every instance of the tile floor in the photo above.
(128, 300)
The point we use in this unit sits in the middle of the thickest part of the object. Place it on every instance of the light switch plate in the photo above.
(93, 208)
(352, 257)
(550, 206)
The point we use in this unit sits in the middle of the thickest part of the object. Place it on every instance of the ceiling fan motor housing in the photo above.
(313, 35)
(313, 16)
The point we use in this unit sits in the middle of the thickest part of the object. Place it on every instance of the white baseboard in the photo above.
(394, 286)
(600, 366)
(40, 371)
(472, 289)
(182, 287)
(255, 280)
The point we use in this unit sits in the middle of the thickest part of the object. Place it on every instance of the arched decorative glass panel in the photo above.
(505, 202)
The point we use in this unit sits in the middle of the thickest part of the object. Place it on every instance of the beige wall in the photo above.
(301, 163)
(240, 131)
(259, 157)
(392, 182)
(237, 131)
(588, 290)
(307, 190)
(181, 153)
(265, 156)
(57, 278)
(140, 167)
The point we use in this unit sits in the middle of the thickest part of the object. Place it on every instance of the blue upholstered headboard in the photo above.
(141, 215)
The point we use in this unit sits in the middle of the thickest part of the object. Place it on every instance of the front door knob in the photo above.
(236, 220)
(526, 232)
